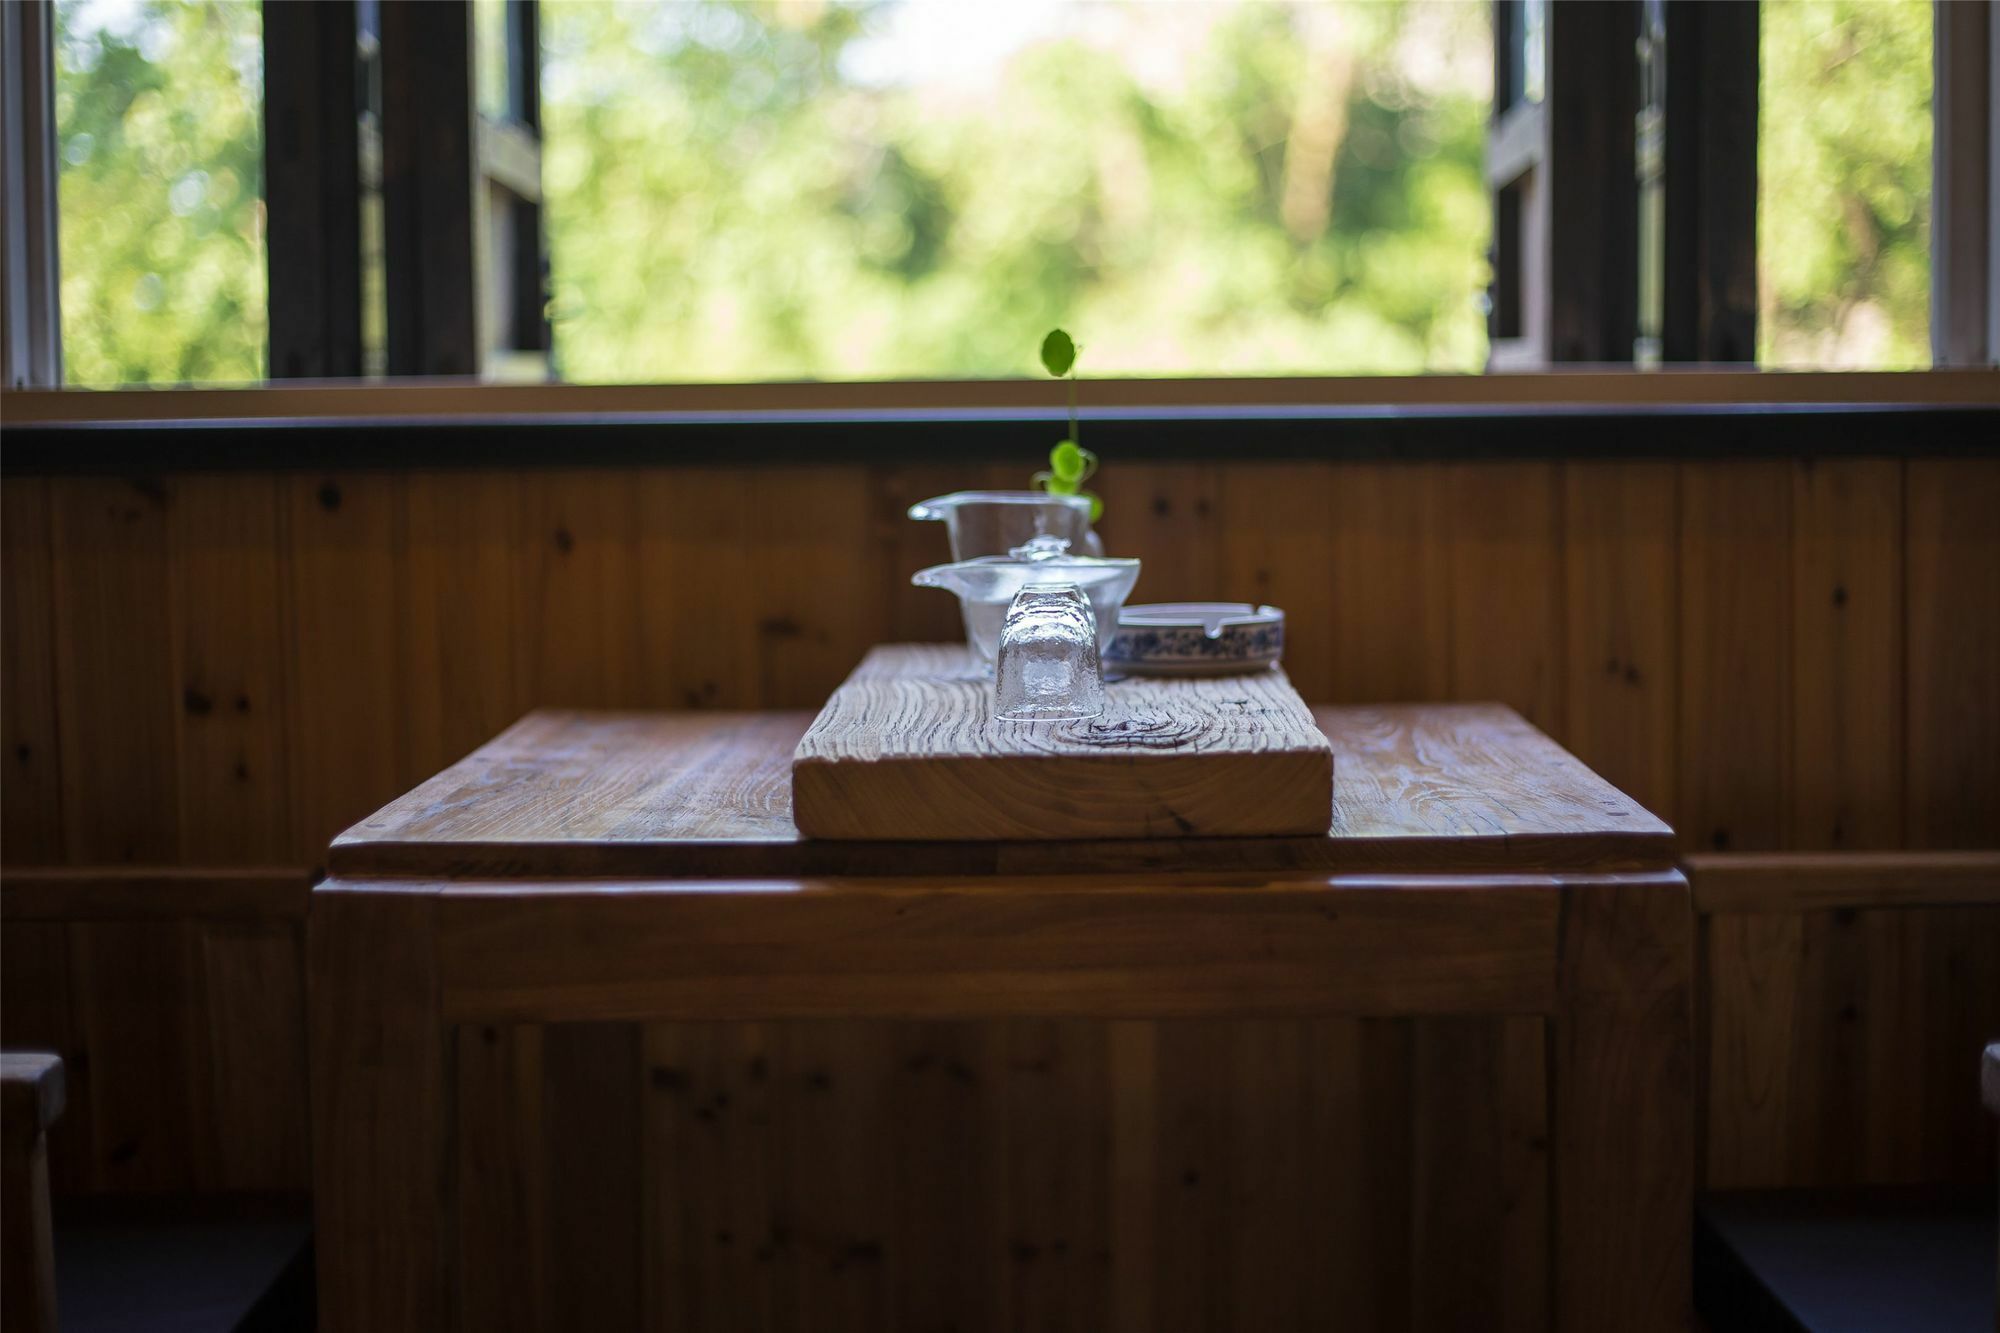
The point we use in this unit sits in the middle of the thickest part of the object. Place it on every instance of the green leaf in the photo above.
(1060, 485)
(1096, 505)
(1058, 353)
(1068, 460)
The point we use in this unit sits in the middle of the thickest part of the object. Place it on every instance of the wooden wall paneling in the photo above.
(581, 610)
(234, 670)
(1621, 673)
(698, 607)
(1053, 1107)
(1391, 573)
(463, 571)
(1502, 524)
(591, 1117)
(31, 830)
(1735, 649)
(137, 1001)
(1132, 1054)
(1754, 1025)
(345, 560)
(1523, 1106)
(35, 1015)
(819, 602)
(1270, 1259)
(1958, 968)
(1455, 1188)
(1358, 1166)
(502, 1189)
(1168, 515)
(717, 1250)
(116, 669)
(1192, 1250)
(1277, 546)
(1847, 650)
(252, 1016)
(948, 1248)
(836, 1176)
(1953, 700)
(917, 615)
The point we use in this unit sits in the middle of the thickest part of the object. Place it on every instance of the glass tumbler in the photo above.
(1048, 668)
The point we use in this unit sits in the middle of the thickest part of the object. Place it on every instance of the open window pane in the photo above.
(158, 114)
(742, 191)
(1844, 185)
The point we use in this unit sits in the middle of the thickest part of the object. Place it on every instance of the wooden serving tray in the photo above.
(906, 749)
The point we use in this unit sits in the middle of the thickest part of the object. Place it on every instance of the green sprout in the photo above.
(1070, 464)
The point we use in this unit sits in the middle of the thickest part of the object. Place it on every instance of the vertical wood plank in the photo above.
(253, 1014)
(1736, 669)
(1270, 1262)
(1277, 547)
(1847, 631)
(461, 684)
(699, 602)
(1754, 980)
(591, 1116)
(1621, 648)
(1524, 1174)
(349, 754)
(1392, 600)
(1953, 529)
(948, 1145)
(580, 615)
(1359, 1164)
(31, 830)
(1506, 586)
(1456, 1187)
(1190, 1228)
(1167, 515)
(502, 1192)
(1055, 1172)
(139, 1016)
(380, 1060)
(1133, 1056)
(115, 668)
(1621, 1108)
(232, 780)
(714, 1255)
(837, 1208)
(821, 602)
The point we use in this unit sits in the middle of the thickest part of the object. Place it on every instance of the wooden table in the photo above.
(599, 1041)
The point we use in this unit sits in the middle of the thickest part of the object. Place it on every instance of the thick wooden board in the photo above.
(1417, 788)
(907, 748)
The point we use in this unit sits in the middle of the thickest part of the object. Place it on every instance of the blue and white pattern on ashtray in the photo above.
(1208, 637)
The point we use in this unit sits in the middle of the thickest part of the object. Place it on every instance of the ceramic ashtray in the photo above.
(1195, 639)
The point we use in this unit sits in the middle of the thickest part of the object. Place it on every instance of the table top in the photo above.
(1418, 789)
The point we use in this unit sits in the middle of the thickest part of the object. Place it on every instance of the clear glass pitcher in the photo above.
(996, 522)
(986, 586)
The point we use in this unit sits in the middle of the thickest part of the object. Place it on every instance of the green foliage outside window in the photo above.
(1260, 189)
(1844, 184)
(159, 108)
(735, 194)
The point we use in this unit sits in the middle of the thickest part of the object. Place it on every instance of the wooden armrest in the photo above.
(31, 1091)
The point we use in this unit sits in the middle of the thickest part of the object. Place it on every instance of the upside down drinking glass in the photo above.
(1048, 668)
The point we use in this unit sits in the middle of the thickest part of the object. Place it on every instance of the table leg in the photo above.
(1622, 1110)
(380, 1062)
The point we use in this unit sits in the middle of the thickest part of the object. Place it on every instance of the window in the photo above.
(663, 191)
(158, 124)
(1844, 185)
(743, 191)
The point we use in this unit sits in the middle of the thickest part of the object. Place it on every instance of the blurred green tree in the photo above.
(734, 194)
(1844, 184)
(158, 114)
